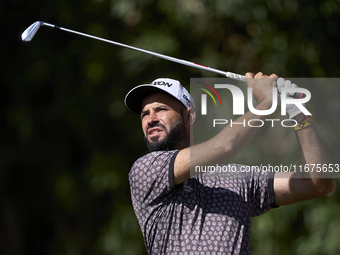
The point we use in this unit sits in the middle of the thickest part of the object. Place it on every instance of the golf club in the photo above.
(30, 32)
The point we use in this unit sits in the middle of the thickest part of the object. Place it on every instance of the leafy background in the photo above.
(67, 142)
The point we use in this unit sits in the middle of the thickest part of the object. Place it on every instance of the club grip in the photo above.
(239, 77)
(236, 76)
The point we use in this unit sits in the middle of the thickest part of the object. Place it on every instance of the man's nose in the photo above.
(153, 117)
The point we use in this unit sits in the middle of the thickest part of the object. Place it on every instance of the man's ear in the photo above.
(191, 115)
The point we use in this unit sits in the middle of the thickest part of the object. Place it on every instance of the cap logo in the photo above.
(162, 83)
(187, 99)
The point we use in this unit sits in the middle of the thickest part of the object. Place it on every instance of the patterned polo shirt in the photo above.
(204, 215)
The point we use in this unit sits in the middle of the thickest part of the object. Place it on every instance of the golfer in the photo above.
(179, 214)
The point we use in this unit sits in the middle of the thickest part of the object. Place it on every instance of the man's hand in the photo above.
(262, 86)
(292, 109)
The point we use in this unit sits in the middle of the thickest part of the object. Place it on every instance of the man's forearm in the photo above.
(230, 141)
(308, 183)
(218, 149)
(313, 156)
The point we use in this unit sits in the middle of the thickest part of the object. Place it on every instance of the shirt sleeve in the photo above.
(253, 186)
(261, 192)
(151, 177)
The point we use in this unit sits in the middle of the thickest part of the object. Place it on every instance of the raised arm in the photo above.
(230, 140)
(295, 187)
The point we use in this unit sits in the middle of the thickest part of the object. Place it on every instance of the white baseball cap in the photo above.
(134, 98)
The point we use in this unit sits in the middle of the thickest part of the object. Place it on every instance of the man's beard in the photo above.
(172, 138)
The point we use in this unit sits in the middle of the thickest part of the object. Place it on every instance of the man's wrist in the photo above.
(303, 122)
(298, 117)
(264, 104)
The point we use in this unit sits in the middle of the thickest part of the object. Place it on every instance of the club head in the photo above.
(30, 32)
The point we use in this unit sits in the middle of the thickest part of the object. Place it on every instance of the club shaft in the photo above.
(29, 33)
(176, 60)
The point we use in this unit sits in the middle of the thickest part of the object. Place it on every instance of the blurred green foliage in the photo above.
(67, 142)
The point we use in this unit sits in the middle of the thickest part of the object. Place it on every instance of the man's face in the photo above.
(162, 122)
